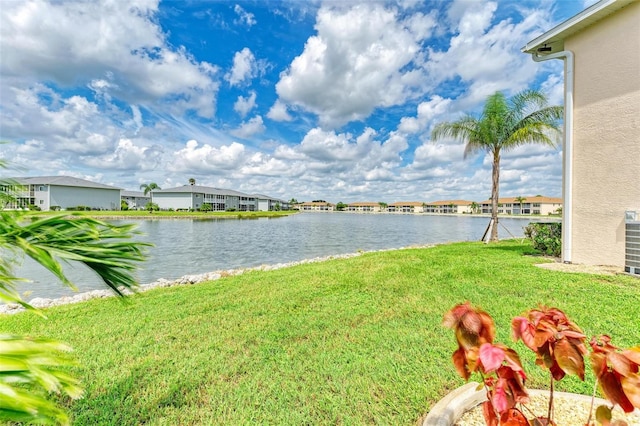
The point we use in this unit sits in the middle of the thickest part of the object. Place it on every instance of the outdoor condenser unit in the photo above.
(632, 242)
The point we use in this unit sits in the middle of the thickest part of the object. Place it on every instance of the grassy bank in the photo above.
(143, 214)
(349, 341)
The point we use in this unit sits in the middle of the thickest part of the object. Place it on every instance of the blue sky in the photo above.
(296, 99)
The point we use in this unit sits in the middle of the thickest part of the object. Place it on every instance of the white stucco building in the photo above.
(192, 197)
(64, 192)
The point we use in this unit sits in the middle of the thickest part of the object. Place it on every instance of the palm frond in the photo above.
(103, 247)
(31, 369)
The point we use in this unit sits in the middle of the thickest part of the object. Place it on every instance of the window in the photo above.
(41, 201)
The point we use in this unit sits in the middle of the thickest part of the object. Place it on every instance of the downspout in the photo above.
(567, 207)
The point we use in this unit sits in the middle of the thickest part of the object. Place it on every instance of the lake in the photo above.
(185, 246)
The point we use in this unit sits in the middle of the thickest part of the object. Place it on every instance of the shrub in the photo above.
(559, 346)
(546, 237)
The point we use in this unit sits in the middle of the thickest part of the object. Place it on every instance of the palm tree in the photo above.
(474, 207)
(192, 181)
(504, 125)
(150, 187)
(520, 199)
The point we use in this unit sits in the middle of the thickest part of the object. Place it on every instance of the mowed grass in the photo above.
(166, 214)
(348, 341)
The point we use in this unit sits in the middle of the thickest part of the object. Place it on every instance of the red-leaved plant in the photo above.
(559, 346)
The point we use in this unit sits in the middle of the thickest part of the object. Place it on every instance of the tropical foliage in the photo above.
(559, 346)
(546, 237)
(32, 368)
(150, 187)
(504, 125)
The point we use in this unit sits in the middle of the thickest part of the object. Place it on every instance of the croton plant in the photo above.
(560, 348)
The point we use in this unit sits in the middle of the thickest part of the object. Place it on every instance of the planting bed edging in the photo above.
(453, 406)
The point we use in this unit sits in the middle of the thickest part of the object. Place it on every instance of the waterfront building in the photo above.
(537, 205)
(136, 200)
(449, 206)
(406, 207)
(193, 197)
(62, 193)
(316, 206)
(366, 207)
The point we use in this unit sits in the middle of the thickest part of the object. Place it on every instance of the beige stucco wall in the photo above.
(606, 144)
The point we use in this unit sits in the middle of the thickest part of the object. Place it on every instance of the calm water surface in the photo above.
(184, 246)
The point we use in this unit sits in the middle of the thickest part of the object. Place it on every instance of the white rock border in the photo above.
(43, 303)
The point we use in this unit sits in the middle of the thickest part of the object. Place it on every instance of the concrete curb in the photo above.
(451, 408)
(455, 404)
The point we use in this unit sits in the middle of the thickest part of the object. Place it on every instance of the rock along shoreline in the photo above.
(43, 303)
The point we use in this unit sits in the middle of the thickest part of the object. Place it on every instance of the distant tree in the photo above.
(293, 201)
(192, 181)
(124, 205)
(382, 205)
(341, 206)
(520, 199)
(474, 207)
(504, 125)
(277, 207)
(151, 207)
(149, 187)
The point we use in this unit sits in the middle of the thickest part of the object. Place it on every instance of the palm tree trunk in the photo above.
(495, 177)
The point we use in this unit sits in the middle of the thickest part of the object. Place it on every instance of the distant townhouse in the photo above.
(316, 206)
(449, 207)
(406, 207)
(366, 207)
(63, 193)
(193, 197)
(266, 203)
(136, 200)
(537, 205)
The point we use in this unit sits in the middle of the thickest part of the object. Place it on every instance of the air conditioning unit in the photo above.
(632, 243)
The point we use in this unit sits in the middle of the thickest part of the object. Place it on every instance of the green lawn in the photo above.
(143, 214)
(349, 341)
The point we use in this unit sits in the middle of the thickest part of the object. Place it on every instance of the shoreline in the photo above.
(189, 279)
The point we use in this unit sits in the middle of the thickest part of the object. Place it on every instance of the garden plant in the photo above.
(560, 348)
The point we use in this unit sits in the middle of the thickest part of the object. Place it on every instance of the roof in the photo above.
(536, 199)
(365, 204)
(555, 37)
(62, 181)
(450, 202)
(197, 189)
(138, 194)
(315, 203)
(406, 203)
(266, 197)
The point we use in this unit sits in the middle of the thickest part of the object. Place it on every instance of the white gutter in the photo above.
(567, 207)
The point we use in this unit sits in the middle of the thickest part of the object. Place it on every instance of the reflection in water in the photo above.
(184, 246)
